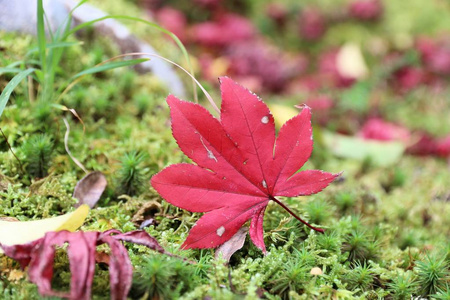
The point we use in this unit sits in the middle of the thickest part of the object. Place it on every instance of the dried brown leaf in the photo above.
(90, 188)
(236, 242)
(147, 212)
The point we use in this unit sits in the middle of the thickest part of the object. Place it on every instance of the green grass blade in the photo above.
(16, 63)
(9, 88)
(39, 75)
(54, 45)
(76, 6)
(33, 62)
(109, 66)
(9, 70)
(41, 35)
(50, 32)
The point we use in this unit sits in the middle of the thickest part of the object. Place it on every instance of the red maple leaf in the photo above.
(241, 165)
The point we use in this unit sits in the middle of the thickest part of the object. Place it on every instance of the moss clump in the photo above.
(131, 178)
(402, 285)
(432, 274)
(160, 277)
(38, 152)
(383, 226)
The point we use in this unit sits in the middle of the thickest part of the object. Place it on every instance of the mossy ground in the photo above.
(386, 228)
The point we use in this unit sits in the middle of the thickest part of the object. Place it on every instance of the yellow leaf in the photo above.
(350, 62)
(14, 233)
(282, 113)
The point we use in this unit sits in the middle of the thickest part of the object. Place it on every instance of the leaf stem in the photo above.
(294, 215)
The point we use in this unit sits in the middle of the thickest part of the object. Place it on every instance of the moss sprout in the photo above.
(402, 285)
(131, 178)
(345, 201)
(142, 103)
(442, 293)
(161, 277)
(432, 274)
(394, 179)
(408, 239)
(38, 152)
(330, 241)
(43, 112)
(361, 277)
(359, 246)
(319, 211)
(292, 277)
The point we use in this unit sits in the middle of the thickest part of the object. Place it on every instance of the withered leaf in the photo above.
(39, 256)
(227, 249)
(146, 213)
(90, 188)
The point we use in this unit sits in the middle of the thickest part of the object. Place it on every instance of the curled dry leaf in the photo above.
(241, 165)
(90, 188)
(39, 256)
(13, 232)
(146, 214)
(227, 249)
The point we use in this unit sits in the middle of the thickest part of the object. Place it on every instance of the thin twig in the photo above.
(66, 145)
(295, 216)
(10, 149)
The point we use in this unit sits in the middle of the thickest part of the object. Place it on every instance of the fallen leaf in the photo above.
(9, 219)
(146, 212)
(350, 62)
(312, 24)
(13, 233)
(228, 29)
(366, 10)
(89, 189)
(381, 154)
(241, 165)
(378, 129)
(443, 146)
(227, 249)
(282, 113)
(39, 255)
(328, 72)
(102, 257)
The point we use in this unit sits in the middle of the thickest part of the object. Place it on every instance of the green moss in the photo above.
(163, 278)
(38, 151)
(432, 274)
(131, 178)
(379, 222)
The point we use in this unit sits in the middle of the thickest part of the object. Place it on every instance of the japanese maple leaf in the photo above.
(241, 165)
